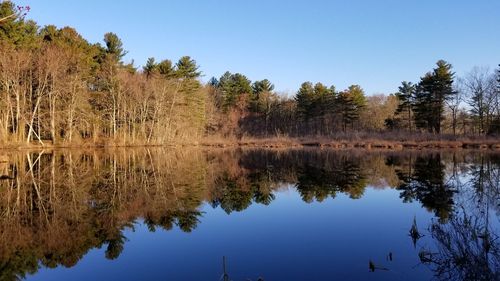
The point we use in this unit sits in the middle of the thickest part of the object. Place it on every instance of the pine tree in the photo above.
(430, 96)
(150, 68)
(187, 68)
(165, 69)
(305, 100)
(423, 103)
(231, 87)
(262, 86)
(262, 100)
(261, 92)
(350, 103)
(14, 29)
(443, 91)
(213, 82)
(406, 96)
(114, 46)
(320, 102)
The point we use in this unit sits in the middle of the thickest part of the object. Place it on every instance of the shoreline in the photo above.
(367, 145)
(283, 143)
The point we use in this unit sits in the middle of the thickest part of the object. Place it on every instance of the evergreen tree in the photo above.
(350, 103)
(329, 101)
(261, 93)
(187, 68)
(443, 90)
(406, 96)
(305, 100)
(114, 46)
(231, 87)
(262, 86)
(431, 93)
(262, 100)
(213, 82)
(165, 69)
(423, 103)
(14, 29)
(150, 68)
(320, 104)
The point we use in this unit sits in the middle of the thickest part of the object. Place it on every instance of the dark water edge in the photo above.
(295, 214)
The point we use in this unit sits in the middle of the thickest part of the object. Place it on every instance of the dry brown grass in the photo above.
(369, 141)
(361, 140)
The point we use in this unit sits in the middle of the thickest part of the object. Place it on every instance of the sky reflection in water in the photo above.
(301, 215)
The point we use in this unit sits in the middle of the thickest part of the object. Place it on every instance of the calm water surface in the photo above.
(158, 214)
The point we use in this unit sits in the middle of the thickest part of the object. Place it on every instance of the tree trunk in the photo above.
(52, 105)
(30, 124)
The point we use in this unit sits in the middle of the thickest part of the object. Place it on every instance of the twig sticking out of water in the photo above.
(426, 257)
(225, 276)
(414, 233)
(372, 267)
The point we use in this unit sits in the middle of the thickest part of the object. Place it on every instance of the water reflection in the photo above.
(468, 246)
(423, 179)
(466, 249)
(55, 206)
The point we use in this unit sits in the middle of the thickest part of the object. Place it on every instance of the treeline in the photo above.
(440, 103)
(468, 105)
(58, 88)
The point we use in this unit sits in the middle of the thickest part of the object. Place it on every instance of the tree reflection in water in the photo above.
(55, 206)
(424, 180)
(467, 247)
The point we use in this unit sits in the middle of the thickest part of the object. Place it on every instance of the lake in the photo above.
(296, 214)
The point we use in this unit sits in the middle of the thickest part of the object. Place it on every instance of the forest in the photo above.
(58, 89)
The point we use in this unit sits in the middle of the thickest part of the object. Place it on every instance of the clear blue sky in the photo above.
(376, 44)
